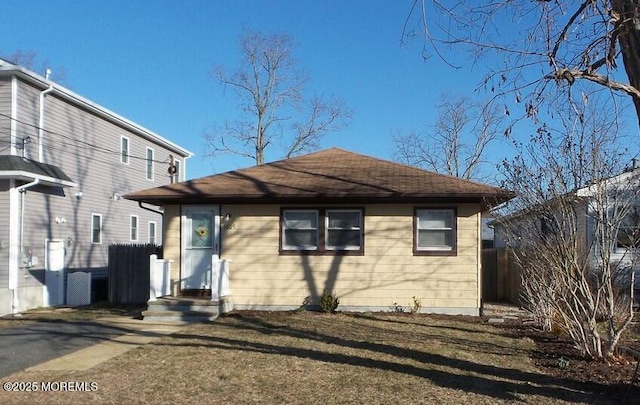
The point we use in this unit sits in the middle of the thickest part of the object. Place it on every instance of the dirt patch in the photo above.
(556, 357)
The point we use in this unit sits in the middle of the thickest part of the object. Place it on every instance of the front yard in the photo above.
(312, 358)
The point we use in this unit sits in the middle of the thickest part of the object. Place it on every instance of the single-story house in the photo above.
(374, 232)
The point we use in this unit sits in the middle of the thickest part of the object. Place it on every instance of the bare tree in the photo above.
(576, 45)
(457, 143)
(270, 87)
(564, 230)
(30, 60)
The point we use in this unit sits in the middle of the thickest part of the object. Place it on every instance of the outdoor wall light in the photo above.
(227, 217)
(79, 195)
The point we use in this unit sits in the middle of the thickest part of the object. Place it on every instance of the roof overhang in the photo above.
(43, 180)
(27, 170)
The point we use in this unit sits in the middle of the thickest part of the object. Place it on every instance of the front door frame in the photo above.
(186, 210)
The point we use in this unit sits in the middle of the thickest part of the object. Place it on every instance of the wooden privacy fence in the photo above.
(500, 276)
(129, 280)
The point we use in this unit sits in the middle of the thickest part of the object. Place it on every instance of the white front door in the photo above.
(200, 243)
(54, 273)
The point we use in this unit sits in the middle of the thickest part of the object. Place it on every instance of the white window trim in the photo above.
(137, 235)
(154, 233)
(452, 229)
(99, 216)
(284, 228)
(146, 163)
(326, 230)
(122, 154)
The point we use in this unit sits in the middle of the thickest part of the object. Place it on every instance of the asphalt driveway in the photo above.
(37, 342)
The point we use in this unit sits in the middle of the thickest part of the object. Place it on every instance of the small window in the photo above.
(124, 150)
(629, 230)
(343, 230)
(435, 231)
(133, 226)
(176, 174)
(149, 164)
(96, 228)
(300, 230)
(152, 233)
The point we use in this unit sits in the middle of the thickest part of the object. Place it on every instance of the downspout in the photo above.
(22, 190)
(41, 123)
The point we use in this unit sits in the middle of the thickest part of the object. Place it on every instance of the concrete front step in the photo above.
(177, 316)
(184, 309)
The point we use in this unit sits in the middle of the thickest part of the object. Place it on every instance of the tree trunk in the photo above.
(629, 40)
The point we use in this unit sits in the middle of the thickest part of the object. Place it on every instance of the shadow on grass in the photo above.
(482, 379)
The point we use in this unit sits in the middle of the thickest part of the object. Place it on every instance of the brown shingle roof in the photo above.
(332, 175)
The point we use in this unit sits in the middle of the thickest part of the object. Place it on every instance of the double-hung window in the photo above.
(176, 174)
(300, 230)
(124, 150)
(322, 231)
(133, 225)
(152, 232)
(343, 229)
(435, 231)
(96, 228)
(149, 164)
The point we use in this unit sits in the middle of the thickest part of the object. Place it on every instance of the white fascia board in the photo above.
(107, 114)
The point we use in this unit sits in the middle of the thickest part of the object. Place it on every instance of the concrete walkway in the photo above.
(74, 345)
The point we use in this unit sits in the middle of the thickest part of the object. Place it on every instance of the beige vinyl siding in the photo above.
(388, 272)
(172, 247)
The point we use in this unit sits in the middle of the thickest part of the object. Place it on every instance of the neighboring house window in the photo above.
(435, 231)
(176, 175)
(96, 228)
(133, 225)
(124, 150)
(152, 233)
(322, 231)
(149, 164)
(629, 231)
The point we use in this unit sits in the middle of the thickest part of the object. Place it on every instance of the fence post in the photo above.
(152, 277)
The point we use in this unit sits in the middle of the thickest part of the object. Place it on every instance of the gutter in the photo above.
(149, 209)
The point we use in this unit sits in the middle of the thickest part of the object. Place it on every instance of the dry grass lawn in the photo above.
(311, 358)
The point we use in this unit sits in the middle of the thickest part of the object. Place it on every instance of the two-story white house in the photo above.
(65, 162)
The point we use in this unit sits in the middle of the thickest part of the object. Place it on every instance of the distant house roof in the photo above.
(332, 175)
(19, 168)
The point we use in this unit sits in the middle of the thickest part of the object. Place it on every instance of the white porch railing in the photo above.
(219, 278)
(159, 277)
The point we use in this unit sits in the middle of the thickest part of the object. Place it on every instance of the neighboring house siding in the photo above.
(85, 145)
(87, 148)
(5, 121)
(387, 273)
(4, 234)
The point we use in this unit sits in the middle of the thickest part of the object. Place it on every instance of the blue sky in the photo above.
(151, 62)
